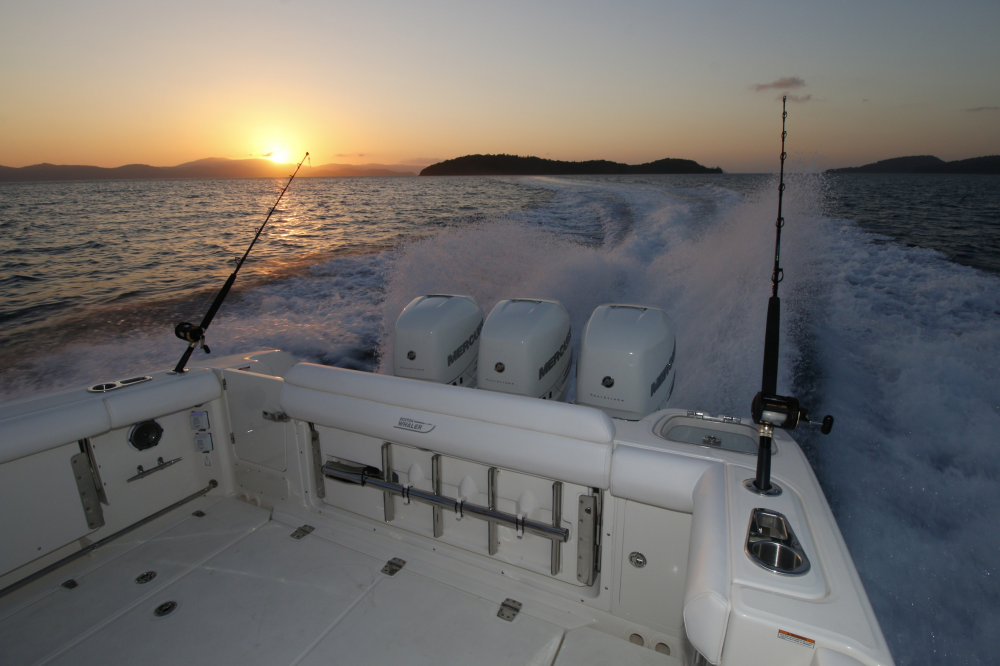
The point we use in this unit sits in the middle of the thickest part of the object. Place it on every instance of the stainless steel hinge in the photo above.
(393, 566)
(86, 484)
(277, 417)
(509, 610)
(232, 438)
(717, 419)
(586, 539)
(223, 384)
(302, 531)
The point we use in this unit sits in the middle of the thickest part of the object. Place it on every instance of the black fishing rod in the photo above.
(769, 409)
(195, 335)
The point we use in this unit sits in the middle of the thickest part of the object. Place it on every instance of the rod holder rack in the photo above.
(363, 478)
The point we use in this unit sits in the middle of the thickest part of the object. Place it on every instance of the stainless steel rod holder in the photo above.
(525, 525)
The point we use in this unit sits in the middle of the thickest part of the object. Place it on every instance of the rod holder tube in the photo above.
(467, 509)
(763, 479)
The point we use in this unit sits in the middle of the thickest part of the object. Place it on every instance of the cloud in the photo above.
(784, 83)
(350, 154)
(983, 108)
(800, 99)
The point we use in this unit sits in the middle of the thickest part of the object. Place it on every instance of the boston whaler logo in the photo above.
(465, 346)
(551, 363)
(663, 375)
(413, 426)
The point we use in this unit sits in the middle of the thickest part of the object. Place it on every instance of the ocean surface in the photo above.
(891, 319)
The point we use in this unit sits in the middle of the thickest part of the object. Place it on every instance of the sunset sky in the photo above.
(111, 83)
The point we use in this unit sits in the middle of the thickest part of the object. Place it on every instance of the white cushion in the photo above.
(36, 430)
(707, 592)
(658, 478)
(554, 418)
(481, 435)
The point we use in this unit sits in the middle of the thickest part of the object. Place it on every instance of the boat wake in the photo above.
(900, 345)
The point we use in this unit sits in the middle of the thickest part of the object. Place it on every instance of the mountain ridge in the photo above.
(210, 167)
(515, 165)
(988, 164)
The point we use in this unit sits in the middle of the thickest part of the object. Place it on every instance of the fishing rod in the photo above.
(769, 409)
(195, 335)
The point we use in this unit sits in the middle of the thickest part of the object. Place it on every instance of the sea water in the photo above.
(890, 319)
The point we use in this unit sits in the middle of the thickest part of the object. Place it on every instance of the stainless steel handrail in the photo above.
(512, 521)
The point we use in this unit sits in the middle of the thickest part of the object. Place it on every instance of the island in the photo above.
(989, 164)
(515, 165)
(212, 167)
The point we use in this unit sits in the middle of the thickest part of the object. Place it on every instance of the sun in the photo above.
(275, 155)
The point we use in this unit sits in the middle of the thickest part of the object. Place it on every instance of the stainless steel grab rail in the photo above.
(525, 525)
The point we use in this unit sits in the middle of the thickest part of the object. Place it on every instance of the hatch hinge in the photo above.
(509, 610)
(317, 462)
(224, 387)
(586, 539)
(717, 419)
(302, 531)
(393, 566)
(232, 438)
(277, 417)
(87, 484)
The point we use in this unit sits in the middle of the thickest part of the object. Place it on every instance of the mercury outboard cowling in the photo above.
(626, 365)
(437, 340)
(525, 349)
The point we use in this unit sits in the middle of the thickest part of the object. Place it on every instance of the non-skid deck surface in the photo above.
(247, 593)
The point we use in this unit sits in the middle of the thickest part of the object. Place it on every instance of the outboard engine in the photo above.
(437, 340)
(626, 364)
(525, 349)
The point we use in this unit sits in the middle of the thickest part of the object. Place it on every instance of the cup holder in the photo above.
(776, 556)
(771, 544)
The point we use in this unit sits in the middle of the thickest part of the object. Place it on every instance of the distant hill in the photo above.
(513, 165)
(212, 167)
(989, 164)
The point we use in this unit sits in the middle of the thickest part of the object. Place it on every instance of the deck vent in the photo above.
(145, 577)
(166, 608)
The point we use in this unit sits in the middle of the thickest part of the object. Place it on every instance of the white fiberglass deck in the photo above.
(249, 593)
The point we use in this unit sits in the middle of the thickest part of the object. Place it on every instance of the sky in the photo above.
(110, 83)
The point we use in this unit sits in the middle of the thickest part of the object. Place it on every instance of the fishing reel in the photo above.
(192, 334)
(778, 411)
(770, 412)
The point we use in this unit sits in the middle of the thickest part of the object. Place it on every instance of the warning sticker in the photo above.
(795, 638)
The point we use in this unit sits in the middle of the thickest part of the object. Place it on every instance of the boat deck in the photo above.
(247, 592)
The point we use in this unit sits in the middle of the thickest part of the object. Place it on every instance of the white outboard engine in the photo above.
(626, 365)
(525, 349)
(437, 340)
